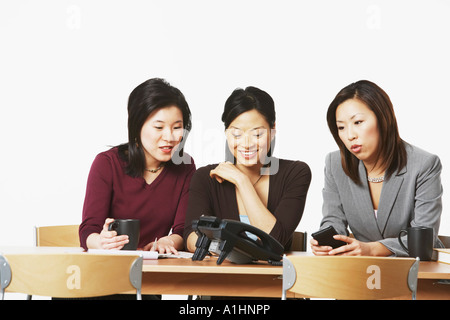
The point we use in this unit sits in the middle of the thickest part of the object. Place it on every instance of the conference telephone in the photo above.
(229, 239)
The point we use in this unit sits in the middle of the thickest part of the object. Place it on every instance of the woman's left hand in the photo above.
(352, 248)
(359, 248)
(162, 245)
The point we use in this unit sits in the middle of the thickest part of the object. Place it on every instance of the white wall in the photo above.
(67, 68)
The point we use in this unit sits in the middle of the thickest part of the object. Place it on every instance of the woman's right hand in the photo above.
(108, 240)
(319, 250)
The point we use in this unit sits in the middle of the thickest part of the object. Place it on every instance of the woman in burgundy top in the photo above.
(252, 186)
(147, 178)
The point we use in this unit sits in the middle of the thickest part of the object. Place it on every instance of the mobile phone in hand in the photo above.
(325, 238)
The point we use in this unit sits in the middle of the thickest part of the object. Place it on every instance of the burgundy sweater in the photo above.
(110, 192)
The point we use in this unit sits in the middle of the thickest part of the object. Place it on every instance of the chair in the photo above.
(70, 275)
(445, 240)
(57, 236)
(299, 241)
(350, 278)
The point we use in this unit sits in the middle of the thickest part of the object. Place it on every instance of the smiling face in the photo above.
(161, 134)
(248, 137)
(358, 129)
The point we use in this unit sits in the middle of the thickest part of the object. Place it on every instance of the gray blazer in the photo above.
(411, 197)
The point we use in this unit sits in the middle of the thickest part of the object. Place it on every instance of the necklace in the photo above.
(154, 170)
(375, 180)
(257, 180)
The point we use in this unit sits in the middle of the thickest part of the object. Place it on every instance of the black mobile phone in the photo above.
(325, 237)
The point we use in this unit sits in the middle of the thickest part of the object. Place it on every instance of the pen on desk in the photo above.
(154, 244)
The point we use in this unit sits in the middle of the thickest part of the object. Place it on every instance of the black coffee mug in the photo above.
(420, 242)
(130, 227)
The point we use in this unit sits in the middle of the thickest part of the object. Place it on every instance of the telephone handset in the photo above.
(203, 242)
(229, 239)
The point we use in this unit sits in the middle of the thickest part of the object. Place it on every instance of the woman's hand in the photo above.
(257, 212)
(166, 244)
(108, 240)
(352, 248)
(227, 171)
(319, 250)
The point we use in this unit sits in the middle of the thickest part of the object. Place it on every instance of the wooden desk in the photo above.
(434, 270)
(183, 276)
(187, 277)
(428, 286)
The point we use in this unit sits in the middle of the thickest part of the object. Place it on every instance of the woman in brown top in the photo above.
(251, 185)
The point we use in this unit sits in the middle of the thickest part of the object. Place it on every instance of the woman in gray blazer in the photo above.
(377, 184)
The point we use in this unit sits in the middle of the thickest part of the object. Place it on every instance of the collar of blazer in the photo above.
(362, 199)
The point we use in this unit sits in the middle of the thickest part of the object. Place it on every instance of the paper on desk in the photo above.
(181, 254)
(146, 255)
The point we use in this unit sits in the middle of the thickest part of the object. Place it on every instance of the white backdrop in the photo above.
(67, 68)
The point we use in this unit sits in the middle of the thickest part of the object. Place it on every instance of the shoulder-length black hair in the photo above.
(147, 97)
(392, 149)
(243, 100)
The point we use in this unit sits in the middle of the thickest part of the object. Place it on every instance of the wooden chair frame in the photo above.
(445, 240)
(350, 278)
(57, 236)
(299, 241)
(71, 275)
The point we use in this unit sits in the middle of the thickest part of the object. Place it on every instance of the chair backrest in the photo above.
(350, 278)
(445, 241)
(57, 236)
(71, 275)
(299, 241)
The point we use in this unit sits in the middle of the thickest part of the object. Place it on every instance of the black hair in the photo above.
(147, 97)
(243, 100)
